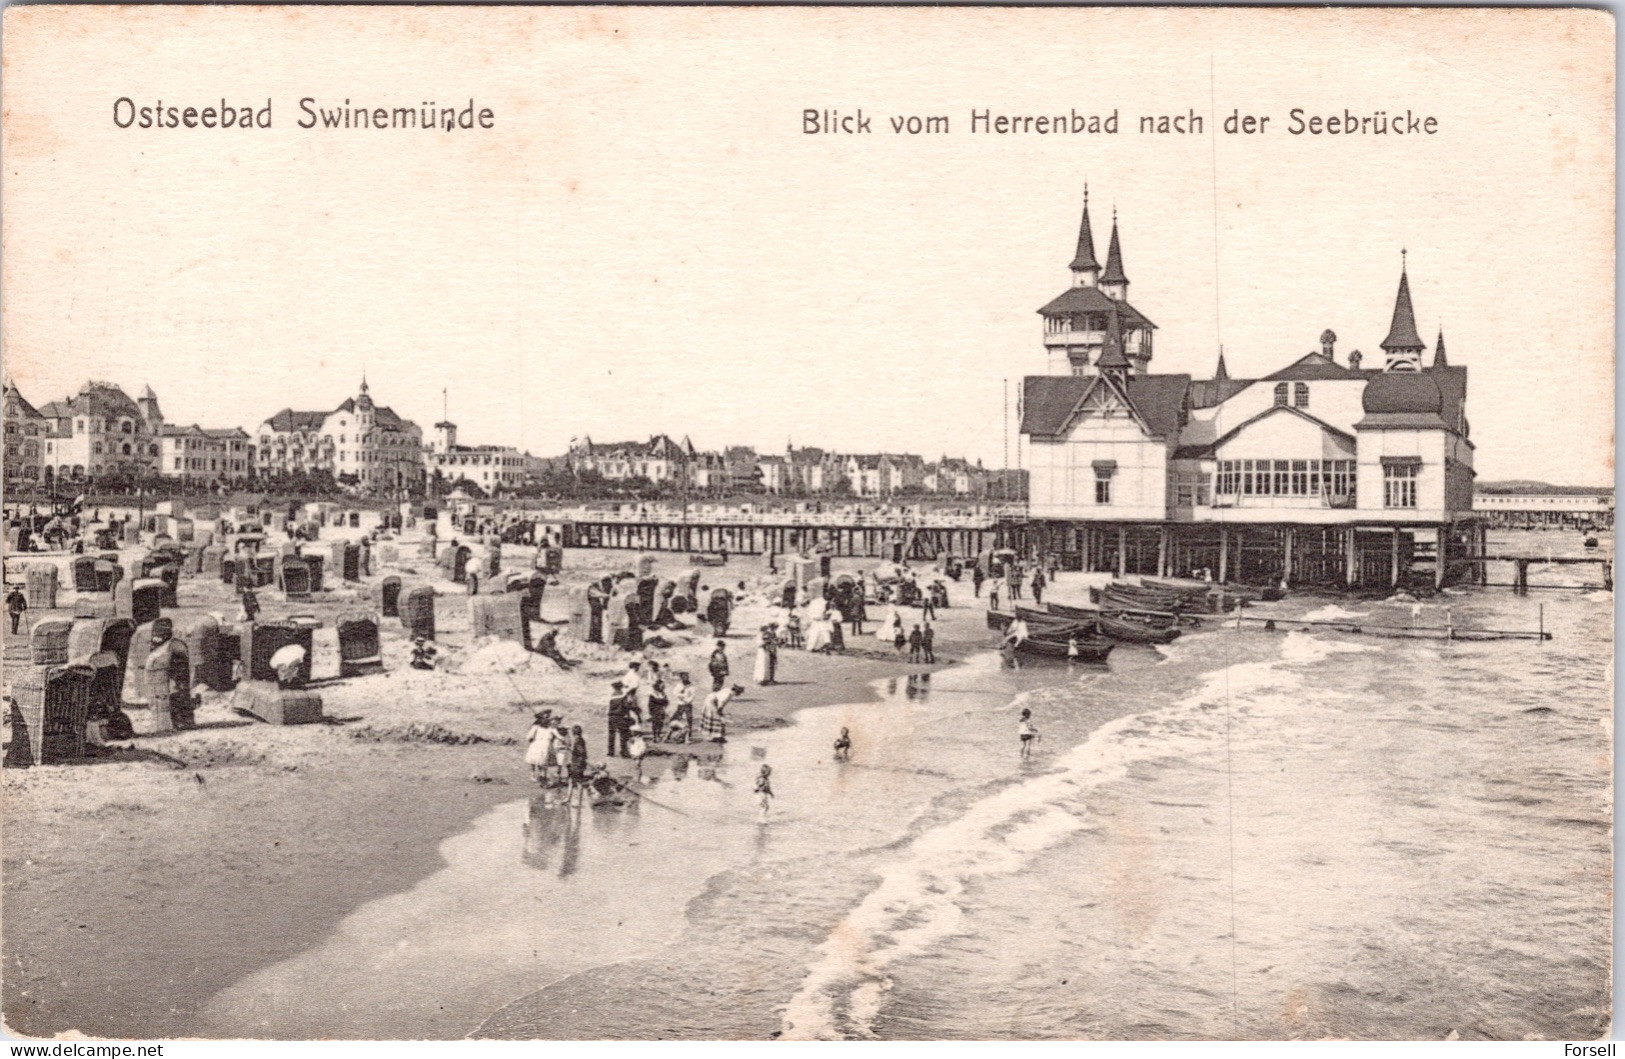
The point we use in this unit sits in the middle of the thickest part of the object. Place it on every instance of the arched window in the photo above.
(1280, 393)
(126, 448)
(128, 428)
(153, 451)
(1300, 395)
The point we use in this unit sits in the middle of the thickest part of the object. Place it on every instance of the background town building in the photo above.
(494, 468)
(360, 443)
(101, 431)
(25, 439)
(204, 456)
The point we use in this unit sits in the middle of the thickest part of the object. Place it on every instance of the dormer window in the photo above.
(1280, 395)
(1300, 395)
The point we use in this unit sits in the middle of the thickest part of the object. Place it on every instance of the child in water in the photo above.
(1028, 734)
(843, 746)
(764, 790)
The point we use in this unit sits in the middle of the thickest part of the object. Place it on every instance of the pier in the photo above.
(889, 535)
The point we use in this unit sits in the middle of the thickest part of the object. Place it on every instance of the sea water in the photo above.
(1244, 834)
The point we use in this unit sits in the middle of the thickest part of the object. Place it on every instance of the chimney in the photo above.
(1354, 361)
(1328, 339)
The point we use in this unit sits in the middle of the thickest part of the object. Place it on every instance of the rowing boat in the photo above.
(1129, 630)
(1048, 647)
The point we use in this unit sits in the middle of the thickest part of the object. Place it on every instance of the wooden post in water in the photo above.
(1122, 550)
(1224, 552)
(1162, 551)
(1286, 556)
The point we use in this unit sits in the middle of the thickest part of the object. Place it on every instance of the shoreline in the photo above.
(268, 838)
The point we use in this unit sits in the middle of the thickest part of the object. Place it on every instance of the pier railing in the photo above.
(888, 520)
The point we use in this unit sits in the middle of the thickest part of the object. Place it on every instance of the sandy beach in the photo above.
(143, 883)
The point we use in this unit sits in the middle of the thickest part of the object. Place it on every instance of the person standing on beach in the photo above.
(16, 603)
(928, 638)
(1038, 584)
(856, 609)
(714, 717)
(719, 666)
(578, 765)
(1028, 734)
(976, 578)
(843, 746)
(1015, 581)
(766, 657)
(916, 645)
(764, 790)
(682, 718)
(620, 720)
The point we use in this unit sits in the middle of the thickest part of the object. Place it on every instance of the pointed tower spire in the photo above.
(1220, 372)
(1114, 281)
(1112, 362)
(1085, 269)
(1403, 345)
(1439, 360)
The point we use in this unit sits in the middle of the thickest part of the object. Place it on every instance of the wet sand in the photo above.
(142, 887)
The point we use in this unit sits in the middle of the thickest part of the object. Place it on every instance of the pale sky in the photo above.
(647, 241)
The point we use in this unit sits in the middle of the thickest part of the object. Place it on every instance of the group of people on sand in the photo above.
(557, 754)
(1010, 583)
(919, 645)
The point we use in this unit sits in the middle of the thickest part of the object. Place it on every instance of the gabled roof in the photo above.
(21, 406)
(1315, 366)
(1049, 401)
(1289, 410)
(382, 415)
(288, 421)
(1210, 393)
(1092, 300)
(1160, 399)
(225, 432)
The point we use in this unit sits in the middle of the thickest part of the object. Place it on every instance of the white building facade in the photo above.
(1304, 474)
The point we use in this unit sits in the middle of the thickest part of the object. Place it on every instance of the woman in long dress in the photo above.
(764, 670)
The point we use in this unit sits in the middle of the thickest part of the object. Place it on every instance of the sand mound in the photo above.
(495, 656)
(423, 733)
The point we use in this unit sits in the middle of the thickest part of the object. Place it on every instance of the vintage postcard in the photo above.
(807, 523)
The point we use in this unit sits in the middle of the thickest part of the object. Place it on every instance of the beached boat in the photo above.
(1130, 630)
(999, 620)
(1050, 647)
(1145, 599)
